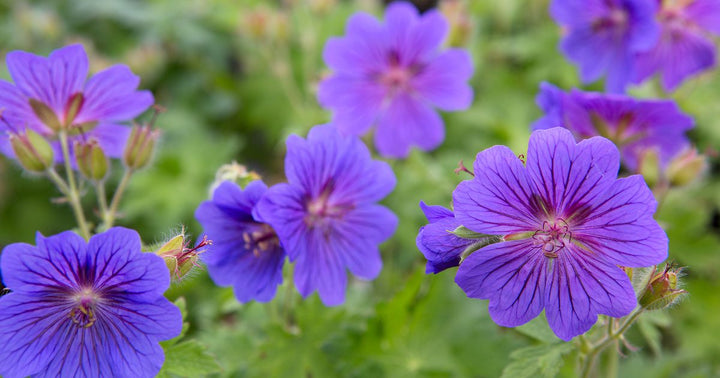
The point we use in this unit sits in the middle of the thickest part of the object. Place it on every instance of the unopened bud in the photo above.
(91, 159)
(236, 173)
(139, 147)
(649, 167)
(45, 114)
(685, 167)
(461, 26)
(32, 151)
(179, 257)
(662, 290)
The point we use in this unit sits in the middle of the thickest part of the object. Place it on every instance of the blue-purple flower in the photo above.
(82, 309)
(52, 93)
(327, 216)
(441, 248)
(392, 75)
(685, 47)
(568, 224)
(245, 251)
(603, 36)
(635, 126)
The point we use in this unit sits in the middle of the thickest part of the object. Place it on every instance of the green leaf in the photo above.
(543, 360)
(188, 359)
(539, 330)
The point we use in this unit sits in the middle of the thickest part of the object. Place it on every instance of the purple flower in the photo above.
(327, 216)
(84, 309)
(392, 75)
(603, 36)
(685, 47)
(52, 93)
(441, 248)
(635, 126)
(246, 253)
(567, 224)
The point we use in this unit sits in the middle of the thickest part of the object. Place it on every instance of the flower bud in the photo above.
(662, 290)
(685, 167)
(32, 151)
(179, 258)
(139, 147)
(236, 173)
(461, 27)
(91, 159)
(45, 114)
(649, 167)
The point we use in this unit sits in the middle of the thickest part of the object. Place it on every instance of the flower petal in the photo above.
(443, 82)
(112, 95)
(112, 138)
(355, 102)
(320, 268)
(283, 208)
(550, 100)
(408, 122)
(441, 248)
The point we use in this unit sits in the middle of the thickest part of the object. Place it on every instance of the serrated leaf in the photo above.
(538, 329)
(188, 359)
(543, 360)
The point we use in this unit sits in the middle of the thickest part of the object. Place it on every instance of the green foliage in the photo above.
(542, 360)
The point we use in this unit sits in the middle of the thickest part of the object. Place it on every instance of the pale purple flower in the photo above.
(245, 252)
(392, 75)
(82, 309)
(635, 126)
(327, 216)
(91, 108)
(603, 36)
(685, 47)
(441, 248)
(568, 224)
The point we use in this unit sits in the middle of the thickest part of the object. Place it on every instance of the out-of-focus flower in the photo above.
(233, 172)
(246, 253)
(441, 248)
(685, 167)
(633, 125)
(327, 216)
(52, 94)
(685, 47)
(84, 309)
(567, 222)
(392, 75)
(603, 36)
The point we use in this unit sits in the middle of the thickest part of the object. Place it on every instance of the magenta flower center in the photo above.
(262, 239)
(321, 211)
(553, 237)
(397, 78)
(83, 312)
(616, 19)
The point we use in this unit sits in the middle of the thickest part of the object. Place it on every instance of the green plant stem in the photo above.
(58, 181)
(101, 197)
(111, 214)
(612, 337)
(73, 194)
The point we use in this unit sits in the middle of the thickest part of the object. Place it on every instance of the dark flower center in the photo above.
(321, 212)
(616, 20)
(553, 237)
(397, 78)
(83, 313)
(262, 239)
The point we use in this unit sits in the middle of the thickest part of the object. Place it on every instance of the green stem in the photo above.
(111, 214)
(72, 194)
(102, 198)
(58, 181)
(610, 338)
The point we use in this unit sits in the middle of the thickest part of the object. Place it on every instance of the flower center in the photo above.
(616, 19)
(320, 211)
(552, 237)
(261, 239)
(397, 78)
(83, 313)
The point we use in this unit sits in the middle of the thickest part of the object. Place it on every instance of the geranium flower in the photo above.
(84, 309)
(391, 75)
(568, 224)
(441, 248)
(327, 216)
(245, 252)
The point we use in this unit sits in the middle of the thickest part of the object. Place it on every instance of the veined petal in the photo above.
(283, 208)
(320, 268)
(443, 81)
(111, 137)
(550, 100)
(408, 122)
(441, 248)
(112, 95)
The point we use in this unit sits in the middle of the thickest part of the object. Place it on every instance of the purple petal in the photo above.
(408, 122)
(283, 207)
(441, 248)
(112, 138)
(435, 213)
(355, 101)
(579, 287)
(443, 82)
(421, 41)
(364, 49)
(512, 275)
(112, 95)
(16, 110)
(705, 13)
(320, 268)
(550, 100)
(498, 199)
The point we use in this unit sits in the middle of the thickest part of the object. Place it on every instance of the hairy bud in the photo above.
(139, 147)
(179, 257)
(662, 289)
(32, 151)
(91, 159)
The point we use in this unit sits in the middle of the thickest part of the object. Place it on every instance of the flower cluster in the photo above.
(631, 40)
(325, 219)
(391, 75)
(567, 225)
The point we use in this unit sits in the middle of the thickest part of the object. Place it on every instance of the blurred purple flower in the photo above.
(567, 222)
(392, 75)
(51, 93)
(685, 47)
(245, 252)
(603, 36)
(635, 126)
(85, 309)
(441, 248)
(327, 216)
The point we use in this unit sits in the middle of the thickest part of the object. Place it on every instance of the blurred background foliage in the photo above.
(238, 76)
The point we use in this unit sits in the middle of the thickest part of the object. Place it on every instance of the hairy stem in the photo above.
(612, 337)
(73, 194)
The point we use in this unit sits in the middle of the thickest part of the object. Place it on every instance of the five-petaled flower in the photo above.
(635, 126)
(84, 309)
(604, 36)
(246, 253)
(327, 216)
(391, 75)
(569, 225)
(51, 94)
